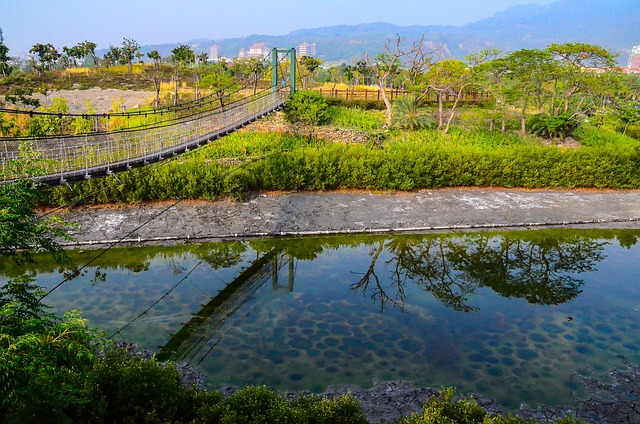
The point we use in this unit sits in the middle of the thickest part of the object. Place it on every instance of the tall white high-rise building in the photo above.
(214, 53)
(306, 49)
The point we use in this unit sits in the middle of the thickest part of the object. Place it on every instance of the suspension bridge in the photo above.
(160, 133)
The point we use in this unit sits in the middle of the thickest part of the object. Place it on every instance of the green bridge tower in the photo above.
(292, 73)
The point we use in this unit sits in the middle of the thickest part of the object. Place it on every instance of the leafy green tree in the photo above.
(47, 55)
(448, 76)
(363, 70)
(631, 86)
(220, 80)
(308, 66)
(128, 51)
(82, 125)
(42, 125)
(74, 53)
(348, 72)
(45, 362)
(5, 68)
(112, 56)
(21, 231)
(157, 80)
(577, 63)
(182, 56)
(156, 57)
(249, 71)
(257, 68)
(628, 113)
(89, 49)
(530, 71)
(492, 78)
(383, 67)
(202, 58)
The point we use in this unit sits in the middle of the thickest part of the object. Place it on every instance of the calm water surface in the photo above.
(511, 315)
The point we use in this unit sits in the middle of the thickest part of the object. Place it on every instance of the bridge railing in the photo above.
(70, 158)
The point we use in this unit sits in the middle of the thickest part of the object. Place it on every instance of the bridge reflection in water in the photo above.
(203, 330)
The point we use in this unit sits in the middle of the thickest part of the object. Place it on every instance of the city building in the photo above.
(306, 49)
(214, 53)
(258, 50)
(634, 59)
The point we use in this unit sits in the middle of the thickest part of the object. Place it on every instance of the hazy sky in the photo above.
(67, 22)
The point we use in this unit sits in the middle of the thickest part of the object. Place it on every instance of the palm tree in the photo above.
(410, 112)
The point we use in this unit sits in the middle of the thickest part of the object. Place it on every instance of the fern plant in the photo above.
(410, 112)
(558, 127)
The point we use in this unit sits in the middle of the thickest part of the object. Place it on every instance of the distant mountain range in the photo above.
(614, 24)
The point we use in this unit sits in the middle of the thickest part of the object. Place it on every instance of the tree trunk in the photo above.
(196, 81)
(387, 103)
(440, 110)
(156, 82)
(453, 108)
(175, 94)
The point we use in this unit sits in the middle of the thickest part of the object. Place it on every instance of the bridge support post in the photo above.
(274, 69)
(292, 83)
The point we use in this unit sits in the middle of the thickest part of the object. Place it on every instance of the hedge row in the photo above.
(401, 165)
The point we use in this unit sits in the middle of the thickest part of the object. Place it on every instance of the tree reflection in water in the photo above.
(541, 268)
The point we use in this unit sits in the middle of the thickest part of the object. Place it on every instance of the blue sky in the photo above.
(67, 22)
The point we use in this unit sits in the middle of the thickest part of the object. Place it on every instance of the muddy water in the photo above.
(512, 315)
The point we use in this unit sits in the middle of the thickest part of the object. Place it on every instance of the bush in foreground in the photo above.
(444, 410)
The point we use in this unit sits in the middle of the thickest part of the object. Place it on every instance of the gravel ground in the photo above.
(101, 99)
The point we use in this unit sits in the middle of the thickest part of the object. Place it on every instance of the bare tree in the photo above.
(386, 64)
(419, 59)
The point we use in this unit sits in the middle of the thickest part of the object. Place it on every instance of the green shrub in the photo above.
(402, 160)
(339, 410)
(307, 107)
(547, 126)
(45, 362)
(256, 404)
(135, 390)
(238, 183)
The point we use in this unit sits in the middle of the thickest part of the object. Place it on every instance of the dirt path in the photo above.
(303, 213)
